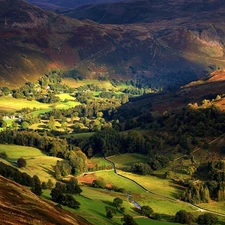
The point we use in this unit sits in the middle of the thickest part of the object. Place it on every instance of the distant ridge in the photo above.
(166, 50)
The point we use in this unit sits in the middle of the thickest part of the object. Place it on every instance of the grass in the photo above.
(41, 111)
(12, 104)
(77, 83)
(159, 204)
(65, 96)
(16, 151)
(127, 159)
(38, 163)
(155, 184)
(80, 135)
(114, 179)
(98, 159)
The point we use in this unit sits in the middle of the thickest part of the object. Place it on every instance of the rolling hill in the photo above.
(20, 206)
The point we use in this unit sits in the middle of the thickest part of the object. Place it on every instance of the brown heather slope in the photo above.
(33, 41)
(194, 92)
(19, 206)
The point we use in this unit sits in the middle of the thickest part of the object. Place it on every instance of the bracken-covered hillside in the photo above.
(19, 206)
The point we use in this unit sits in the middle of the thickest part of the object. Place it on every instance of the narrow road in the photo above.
(165, 197)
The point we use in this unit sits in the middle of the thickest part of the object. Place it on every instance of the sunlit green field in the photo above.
(93, 202)
(158, 185)
(16, 151)
(127, 159)
(11, 104)
(98, 159)
(80, 135)
(77, 83)
(159, 204)
(65, 96)
(38, 163)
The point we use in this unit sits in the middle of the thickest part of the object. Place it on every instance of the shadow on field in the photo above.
(50, 172)
(108, 203)
(97, 212)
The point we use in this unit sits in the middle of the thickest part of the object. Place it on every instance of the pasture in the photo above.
(65, 96)
(155, 184)
(77, 83)
(38, 163)
(124, 161)
(93, 202)
(158, 203)
(98, 161)
(11, 104)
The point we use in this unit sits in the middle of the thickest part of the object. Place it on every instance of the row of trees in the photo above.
(75, 160)
(63, 193)
(187, 218)
(22, 178)
(212, 188)
(110, 141)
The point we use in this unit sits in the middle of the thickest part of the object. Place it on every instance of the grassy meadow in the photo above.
(94, 200)
(124, 161)
(11, 104)
(99, 160)
(38, 163)
(77, 83)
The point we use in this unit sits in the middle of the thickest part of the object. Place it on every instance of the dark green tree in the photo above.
(117, 202)
(183, 217)
(110, 212)
(57, 195)
(146, 211)
(128, 220)
(71, 202)
(207, 219)
(50, 184)
(3, 155)
(36, 185)
(44, 185)
(21, 162)
(99, 183)
(72, 186)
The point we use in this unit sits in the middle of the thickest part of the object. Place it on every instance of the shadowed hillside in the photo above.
(20, 206)
(58, 4)
(169, 52)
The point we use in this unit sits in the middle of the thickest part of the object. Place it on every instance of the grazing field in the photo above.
(41, 111)
(124, 161)
(16, 151)
(77, 83)
(155, 184)
(38, 163)
(93, 202)
(79, 135)
(65, 96)
(66, 105)
(159, 204)
(114, 179)
(98, 161)
(12, 104)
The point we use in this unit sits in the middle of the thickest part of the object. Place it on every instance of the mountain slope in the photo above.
(58, 4)
(135, 11)
(34, 41)
(20, 206)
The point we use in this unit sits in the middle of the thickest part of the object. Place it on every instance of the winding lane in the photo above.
(162, 196)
